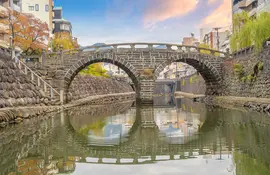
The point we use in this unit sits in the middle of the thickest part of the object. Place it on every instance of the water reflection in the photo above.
(185, 138)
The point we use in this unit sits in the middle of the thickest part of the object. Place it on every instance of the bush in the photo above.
(260, 66)
(239, 70)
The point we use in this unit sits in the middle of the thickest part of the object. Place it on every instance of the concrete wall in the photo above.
(235, 86)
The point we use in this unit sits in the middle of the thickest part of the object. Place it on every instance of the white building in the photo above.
(42, 9)
(114, 71)
(177, 71)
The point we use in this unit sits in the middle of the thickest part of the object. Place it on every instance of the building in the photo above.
(114, 71)
(42, 9)
(177, 71)
(253, 7)
(13, 4)
(190, 41)
(4, 4)
(203, 32)
(211, 39)
(59, 23)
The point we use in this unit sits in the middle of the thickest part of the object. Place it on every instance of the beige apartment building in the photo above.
(42, 9)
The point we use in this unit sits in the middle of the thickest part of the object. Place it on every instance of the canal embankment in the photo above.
(250, 103)
(15, 115)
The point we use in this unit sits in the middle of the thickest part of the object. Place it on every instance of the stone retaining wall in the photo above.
(85, 85)
(234, 85)
(16, 89)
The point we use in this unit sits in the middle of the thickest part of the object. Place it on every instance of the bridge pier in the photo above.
(146, 91)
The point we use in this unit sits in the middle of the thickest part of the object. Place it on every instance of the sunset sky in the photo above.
(115, 21)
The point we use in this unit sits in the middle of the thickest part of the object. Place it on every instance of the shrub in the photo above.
(239, 70)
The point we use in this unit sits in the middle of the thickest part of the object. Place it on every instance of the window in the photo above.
(37, 7)
(64, 27)
(31, 8)
(46, 7)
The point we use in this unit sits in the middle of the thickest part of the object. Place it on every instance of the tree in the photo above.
(250, 31)
(26, 31)
(65, 40)
(95, 70)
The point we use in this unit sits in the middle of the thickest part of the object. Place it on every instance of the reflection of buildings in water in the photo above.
(177, 123)
(39, 166)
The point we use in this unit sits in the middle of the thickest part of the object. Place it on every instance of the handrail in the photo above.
(52, 90)
(151, 44)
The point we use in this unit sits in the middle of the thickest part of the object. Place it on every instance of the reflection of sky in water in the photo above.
(174, 124)
(204, 166)
(116, 128)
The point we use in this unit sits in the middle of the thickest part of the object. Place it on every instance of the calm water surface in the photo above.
(173, 137)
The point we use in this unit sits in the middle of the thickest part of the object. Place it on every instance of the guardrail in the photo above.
(150, 47)
(39, 81)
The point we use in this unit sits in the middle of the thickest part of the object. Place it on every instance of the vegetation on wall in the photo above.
(250, 31)
(243, 76)
(239, 70)
(95, 70)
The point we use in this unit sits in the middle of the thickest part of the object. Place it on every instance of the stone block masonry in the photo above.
(246, 85)
(16, 89)
(85, 85)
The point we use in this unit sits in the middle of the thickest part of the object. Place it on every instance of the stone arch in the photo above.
(207, 65)
(84, 62)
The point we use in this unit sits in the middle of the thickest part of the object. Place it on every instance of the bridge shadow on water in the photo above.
(133, 134)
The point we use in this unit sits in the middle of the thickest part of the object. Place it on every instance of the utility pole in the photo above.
(217, 29)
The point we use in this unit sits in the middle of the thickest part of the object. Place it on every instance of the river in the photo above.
(174, 136)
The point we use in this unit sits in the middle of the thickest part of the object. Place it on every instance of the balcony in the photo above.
(246, 3)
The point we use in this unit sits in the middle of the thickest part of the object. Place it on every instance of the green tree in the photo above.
(95, 70)
(250, 31)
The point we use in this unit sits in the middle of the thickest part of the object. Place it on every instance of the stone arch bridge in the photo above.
(143, 62)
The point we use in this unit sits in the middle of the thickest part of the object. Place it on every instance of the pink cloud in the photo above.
(220, 17)
(161, 10)
(211, 1)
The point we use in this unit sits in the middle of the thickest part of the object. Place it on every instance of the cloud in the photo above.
(220, 17)
(211, 1)
(161, 10)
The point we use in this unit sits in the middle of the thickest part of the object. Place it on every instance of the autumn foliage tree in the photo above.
(26, 31)
(64, 40)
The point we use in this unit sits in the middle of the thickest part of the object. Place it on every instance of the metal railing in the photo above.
(39, 81)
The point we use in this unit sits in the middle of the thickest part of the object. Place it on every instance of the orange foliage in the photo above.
(28, 32)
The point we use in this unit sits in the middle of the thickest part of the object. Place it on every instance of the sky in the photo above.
(163, 21)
